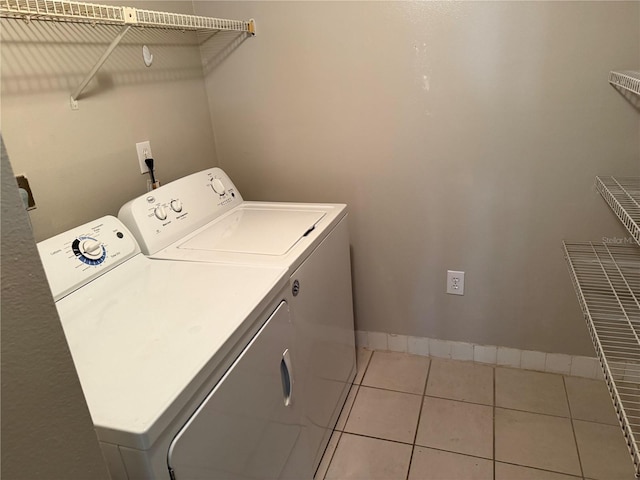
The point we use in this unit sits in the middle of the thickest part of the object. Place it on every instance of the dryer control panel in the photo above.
(169, 213)
(74, 258)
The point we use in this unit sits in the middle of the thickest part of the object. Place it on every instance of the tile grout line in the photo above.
(350, 409)
(415, 436)
(378, 438)
(424, 394)
(570, 475)
(573, 428)
(456, 453)
(335, 449)
(406, 393)
(364, 372)
(481, 404)
(357, 385)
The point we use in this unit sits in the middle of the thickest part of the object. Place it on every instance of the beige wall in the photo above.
(462, 135)
(46, 428)
(83, 164)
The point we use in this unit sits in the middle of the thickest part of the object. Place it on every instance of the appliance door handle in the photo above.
(286, 374)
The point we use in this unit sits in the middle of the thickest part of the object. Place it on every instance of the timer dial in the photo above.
(89, 250)
(218, 186)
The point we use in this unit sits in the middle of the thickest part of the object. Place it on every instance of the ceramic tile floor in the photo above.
(420, 418)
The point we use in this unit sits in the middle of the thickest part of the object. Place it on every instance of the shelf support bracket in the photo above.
(96, 67)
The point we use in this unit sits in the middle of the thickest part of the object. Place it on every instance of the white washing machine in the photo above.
(185, 367)
(203, 218)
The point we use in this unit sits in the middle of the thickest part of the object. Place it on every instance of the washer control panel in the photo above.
(74, 258)
(176, 209)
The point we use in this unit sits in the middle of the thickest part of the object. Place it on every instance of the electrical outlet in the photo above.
(144, 151)
(455, 282)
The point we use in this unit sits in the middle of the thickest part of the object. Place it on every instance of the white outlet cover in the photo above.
(141, 147)
(455, 282)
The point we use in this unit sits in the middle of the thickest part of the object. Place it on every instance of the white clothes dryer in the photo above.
(203, 218)
(185, 367)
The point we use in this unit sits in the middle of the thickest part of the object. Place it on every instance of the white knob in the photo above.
(91, 249)
(218, 186)
(176, 205)
(161, 213)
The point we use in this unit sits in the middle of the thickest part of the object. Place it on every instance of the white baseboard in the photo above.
(578, 366)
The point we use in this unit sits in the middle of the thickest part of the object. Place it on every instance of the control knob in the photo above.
(91, 248)
(160, 212)
(176, 205)
(218, 186)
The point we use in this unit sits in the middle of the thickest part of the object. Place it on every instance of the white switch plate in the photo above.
(455, 282)
(142, 148)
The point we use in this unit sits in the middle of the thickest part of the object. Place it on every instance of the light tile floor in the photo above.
(416, 418)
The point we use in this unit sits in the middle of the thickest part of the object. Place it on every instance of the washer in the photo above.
(186, 367)
(203, 218)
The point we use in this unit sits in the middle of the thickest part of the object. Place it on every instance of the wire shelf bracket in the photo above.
(627, 80)
(607, 282)
(76, 93)
(127, 17)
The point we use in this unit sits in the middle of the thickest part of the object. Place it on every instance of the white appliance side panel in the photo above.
(323, 319)
(243, 429)
(114, 461)
(258, 231)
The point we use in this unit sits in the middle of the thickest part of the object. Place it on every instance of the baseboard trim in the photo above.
(574, 365)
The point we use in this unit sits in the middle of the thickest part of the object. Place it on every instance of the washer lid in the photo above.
(262, 231)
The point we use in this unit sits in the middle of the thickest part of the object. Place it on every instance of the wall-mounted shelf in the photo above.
(622, 194)
(127, 17)
(80, 12)
(628, 80)
(607, 282)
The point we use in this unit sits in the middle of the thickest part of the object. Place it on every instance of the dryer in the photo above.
(203, 218)
(185, 367)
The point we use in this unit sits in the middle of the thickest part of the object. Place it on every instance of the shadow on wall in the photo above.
(632, 98)
(218, 46)
(41, 57)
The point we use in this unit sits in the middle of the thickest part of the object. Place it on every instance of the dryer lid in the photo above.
(256, 230)
(147, 334)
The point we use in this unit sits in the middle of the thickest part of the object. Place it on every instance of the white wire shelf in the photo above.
(126, 17)
(622, 194)
(607, 282)
(628, 80)
(80, 12)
